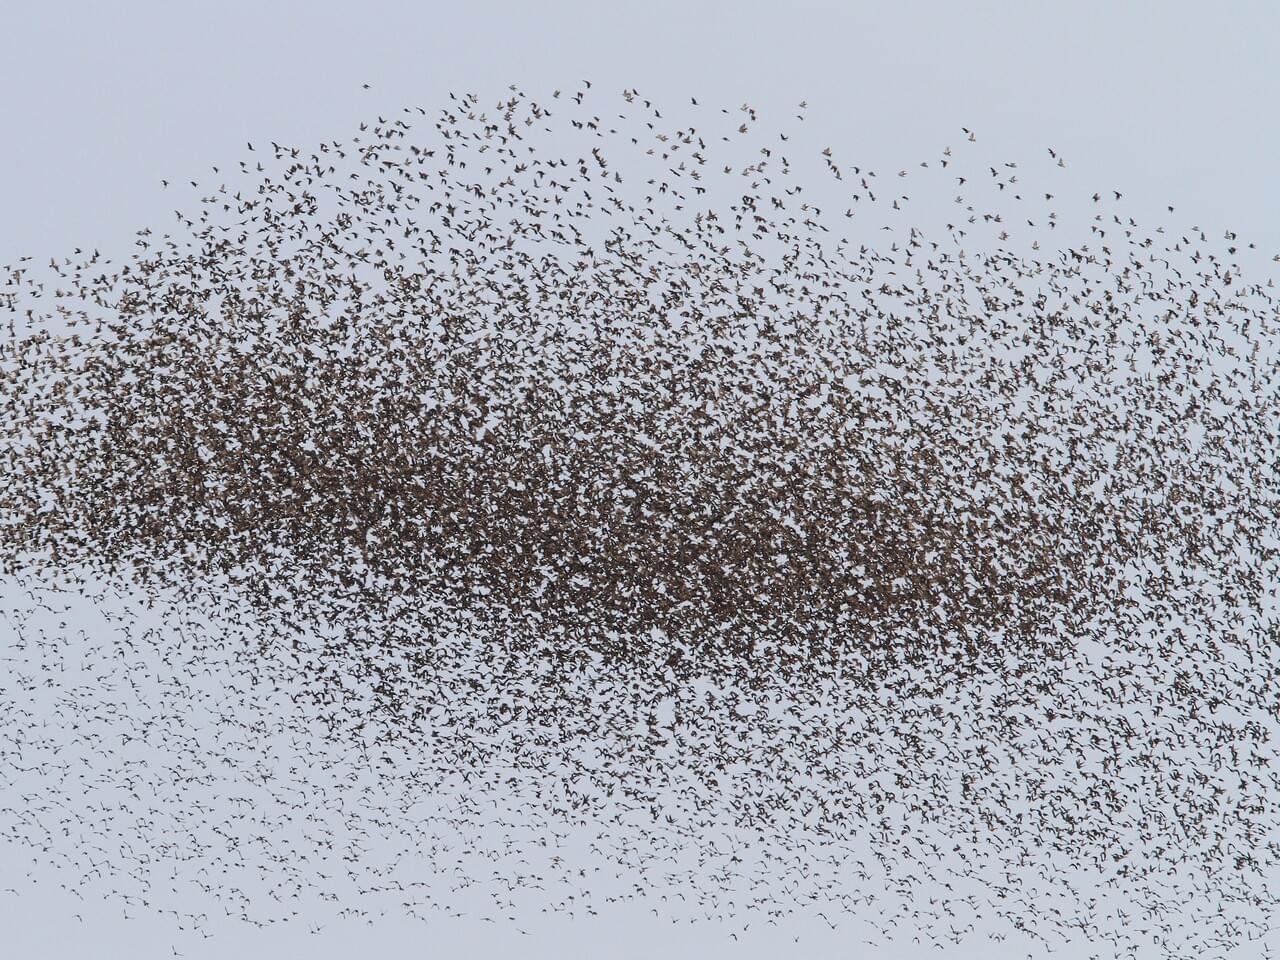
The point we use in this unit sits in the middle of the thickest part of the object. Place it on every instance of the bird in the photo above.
(460, 490)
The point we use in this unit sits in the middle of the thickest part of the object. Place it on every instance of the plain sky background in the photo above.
(1171, 102)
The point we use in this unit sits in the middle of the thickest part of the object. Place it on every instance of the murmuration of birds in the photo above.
(579, 460)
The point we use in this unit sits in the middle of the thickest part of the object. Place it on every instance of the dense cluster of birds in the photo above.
(559, 463)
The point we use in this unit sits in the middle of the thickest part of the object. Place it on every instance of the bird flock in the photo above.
(579, 463)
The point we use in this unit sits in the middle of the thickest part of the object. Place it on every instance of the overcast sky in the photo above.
(1170, 102)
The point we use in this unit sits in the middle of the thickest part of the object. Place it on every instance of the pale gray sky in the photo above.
(1171, 102)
